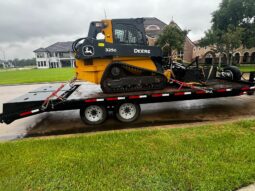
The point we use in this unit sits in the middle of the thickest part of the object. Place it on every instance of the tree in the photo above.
(23, 62)
(248, 37)
(223, 42)
(232, 39)
(172, 38)
(212, 38)
(237, 13)
(233, 25)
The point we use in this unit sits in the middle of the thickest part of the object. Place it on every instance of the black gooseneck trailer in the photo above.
(94, 104)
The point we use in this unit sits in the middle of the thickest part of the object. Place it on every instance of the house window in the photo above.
(45, 63)
(237, 58)
(40, 55)
(181, 54)
(64, 55)
(253, 58)
(152, 28)
(246, 57)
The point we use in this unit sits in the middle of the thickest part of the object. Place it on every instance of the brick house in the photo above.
(154, 26)
(240, 55)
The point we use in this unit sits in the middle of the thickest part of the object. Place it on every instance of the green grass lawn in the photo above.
(247, 68)
(51, 75)
(219, 157)
(35, 75)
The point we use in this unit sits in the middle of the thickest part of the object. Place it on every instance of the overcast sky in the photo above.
(26, 25)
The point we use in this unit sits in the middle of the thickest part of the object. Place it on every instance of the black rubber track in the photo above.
(121, 78)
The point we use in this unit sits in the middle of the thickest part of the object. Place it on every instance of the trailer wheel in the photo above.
(93, 114)
(128, 112)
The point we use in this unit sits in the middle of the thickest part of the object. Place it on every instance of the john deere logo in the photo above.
(88, 50)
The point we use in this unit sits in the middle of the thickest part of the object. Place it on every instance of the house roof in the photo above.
(61, 47)
(172, 23)
(40, 50)
(57, 47)
(196, 42)
(153, 21)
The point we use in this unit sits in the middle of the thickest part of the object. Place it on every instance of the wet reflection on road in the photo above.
(182, 112)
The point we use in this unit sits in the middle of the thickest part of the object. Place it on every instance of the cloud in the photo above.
(26, 25)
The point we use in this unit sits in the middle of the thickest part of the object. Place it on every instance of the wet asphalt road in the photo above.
(172, 113)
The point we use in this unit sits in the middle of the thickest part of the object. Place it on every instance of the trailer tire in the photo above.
(93, 114)
(234, 73)
(128, 112)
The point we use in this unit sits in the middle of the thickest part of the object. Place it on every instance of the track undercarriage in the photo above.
(120, 78)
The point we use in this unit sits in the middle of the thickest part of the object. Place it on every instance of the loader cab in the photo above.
(129, 31)
(119, 31)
